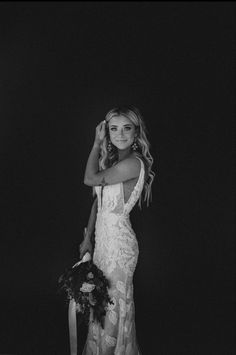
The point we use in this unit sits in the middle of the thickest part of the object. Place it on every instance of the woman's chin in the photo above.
(122, 146)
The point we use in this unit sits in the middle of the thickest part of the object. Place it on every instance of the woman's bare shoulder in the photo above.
(131, 162)
(136, 158)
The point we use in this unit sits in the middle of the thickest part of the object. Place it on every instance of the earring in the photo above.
(134, 146)
(109, 146)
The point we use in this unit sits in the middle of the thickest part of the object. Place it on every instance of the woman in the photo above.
(119, 169)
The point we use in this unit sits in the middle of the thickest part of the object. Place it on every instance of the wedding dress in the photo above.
(116, 253)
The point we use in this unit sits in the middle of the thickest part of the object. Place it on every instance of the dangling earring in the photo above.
(134, 146)
(109, 146)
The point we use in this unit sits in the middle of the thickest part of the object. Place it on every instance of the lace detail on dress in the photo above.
(116, 254)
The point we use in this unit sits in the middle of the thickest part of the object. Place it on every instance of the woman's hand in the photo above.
(86, 245)
(100, 133)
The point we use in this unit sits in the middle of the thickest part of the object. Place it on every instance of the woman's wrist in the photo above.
(87, 236)
(96, 145)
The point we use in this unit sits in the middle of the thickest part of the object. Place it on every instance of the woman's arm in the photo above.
(86, 245)
(92, 220)
(126, 169)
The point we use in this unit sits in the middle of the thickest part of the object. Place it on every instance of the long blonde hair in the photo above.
(110, 157)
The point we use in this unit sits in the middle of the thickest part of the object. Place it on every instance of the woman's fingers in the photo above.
(100, 131)
(101, 124)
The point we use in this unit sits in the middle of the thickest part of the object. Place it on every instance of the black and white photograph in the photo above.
(117, 124)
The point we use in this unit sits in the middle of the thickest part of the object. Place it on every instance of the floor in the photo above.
(38, 326)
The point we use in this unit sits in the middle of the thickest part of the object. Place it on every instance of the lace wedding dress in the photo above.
(116, 253)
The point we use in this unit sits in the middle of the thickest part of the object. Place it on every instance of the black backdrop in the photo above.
(63, 65)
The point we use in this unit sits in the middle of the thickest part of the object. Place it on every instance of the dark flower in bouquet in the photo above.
(87, 285)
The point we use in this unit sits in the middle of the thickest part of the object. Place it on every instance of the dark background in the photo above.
(63, 65)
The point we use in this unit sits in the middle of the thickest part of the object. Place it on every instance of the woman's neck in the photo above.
(122, 154)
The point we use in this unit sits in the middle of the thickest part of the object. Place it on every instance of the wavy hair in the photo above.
(109, 158)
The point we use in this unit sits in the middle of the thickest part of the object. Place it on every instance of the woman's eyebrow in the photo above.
(127, 124)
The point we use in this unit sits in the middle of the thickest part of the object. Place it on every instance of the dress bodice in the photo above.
(111, 197)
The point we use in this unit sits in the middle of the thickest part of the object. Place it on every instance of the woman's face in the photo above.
(122, 132)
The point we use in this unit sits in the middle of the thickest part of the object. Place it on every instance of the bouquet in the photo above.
(86, 284)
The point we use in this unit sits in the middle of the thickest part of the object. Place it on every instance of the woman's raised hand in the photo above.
(100, 133)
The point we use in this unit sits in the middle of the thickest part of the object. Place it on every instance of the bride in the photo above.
(119, 171)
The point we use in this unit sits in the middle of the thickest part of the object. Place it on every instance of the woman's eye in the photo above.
(115, 129)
